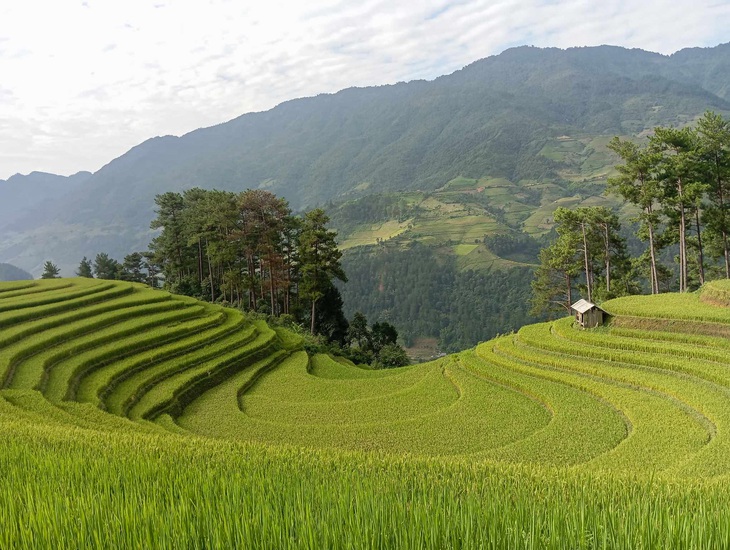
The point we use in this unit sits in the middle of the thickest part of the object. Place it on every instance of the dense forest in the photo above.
(247, 249)
(423, 293)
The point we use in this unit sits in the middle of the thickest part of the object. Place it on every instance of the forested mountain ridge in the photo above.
(527, 115)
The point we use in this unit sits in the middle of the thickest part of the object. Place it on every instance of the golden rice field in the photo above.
(133, 418)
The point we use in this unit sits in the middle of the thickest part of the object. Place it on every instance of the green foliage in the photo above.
(85, 269)
(132, 269)
(320, 260)
(391, 356)
(346, 217)
(552, 288)
(382, 334)
(330, 321)
(106, 267)
(50, 271)
(377, 345)
(358, 332)
(423, 293)
(588, 240)
(514, 246)
(246, 249)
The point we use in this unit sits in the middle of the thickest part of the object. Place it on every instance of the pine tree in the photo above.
(552, 287)
(675, 164)
(713, 150)
(85, 269)
(106, 267)
(50, 271)
(319, 260)
(358, 332)
(637, 183)
(132, 269)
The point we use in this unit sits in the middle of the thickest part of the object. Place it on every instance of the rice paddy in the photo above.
(133, 418)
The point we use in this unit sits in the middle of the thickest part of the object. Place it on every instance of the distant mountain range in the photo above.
(11, 273)
(20, 195)
(527, 116)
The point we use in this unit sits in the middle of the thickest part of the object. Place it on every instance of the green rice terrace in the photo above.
(130, 417)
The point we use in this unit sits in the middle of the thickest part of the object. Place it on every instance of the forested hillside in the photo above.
(525, 115)
(468, 168)
(424, 294)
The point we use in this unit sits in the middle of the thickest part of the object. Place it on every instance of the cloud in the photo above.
(82, 82)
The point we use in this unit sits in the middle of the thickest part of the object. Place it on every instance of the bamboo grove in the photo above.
(678, 184)
(246, 249)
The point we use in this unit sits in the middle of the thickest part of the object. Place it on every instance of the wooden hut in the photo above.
(587, 315)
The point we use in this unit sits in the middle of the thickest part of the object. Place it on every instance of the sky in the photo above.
(81, 82)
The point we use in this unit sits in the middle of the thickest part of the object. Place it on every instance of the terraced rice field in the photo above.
(132, 417)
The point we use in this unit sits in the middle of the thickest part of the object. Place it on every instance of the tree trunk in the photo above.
(721, 200)
(261, 278)
(200, 261)
(608, 258)
(210, 271)
(272, 286)
(314, 302)
(682, 240)
(569, 292)
(652, 255)
(251, 283)
(699, 247)
(585, 258)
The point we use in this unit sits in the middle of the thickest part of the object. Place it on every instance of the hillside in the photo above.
(536, 118)
(11, 273)
(21, 195)
(194, 367)
(116, 393)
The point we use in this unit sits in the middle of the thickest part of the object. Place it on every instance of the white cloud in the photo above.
(82, 82)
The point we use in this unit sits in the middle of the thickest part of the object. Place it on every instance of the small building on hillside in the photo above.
(588, 315)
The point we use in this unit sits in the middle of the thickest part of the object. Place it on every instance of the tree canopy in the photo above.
(50, 271)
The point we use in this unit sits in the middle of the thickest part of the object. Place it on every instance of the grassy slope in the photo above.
(601, 438)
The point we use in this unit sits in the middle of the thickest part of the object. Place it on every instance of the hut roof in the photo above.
(581, 306)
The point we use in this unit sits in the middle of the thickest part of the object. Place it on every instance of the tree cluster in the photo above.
(377, 344)
(588, 248)
(135, 268)
(679, 182)
(248, 249)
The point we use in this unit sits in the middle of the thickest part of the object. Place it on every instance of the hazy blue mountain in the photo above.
(20, 195)
(493, 118)
(11, 273)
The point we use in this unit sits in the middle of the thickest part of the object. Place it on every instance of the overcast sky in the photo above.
(81, 82)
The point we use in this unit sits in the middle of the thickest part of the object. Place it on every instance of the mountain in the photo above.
(20, 195)
(11, 273)
(527, 116)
